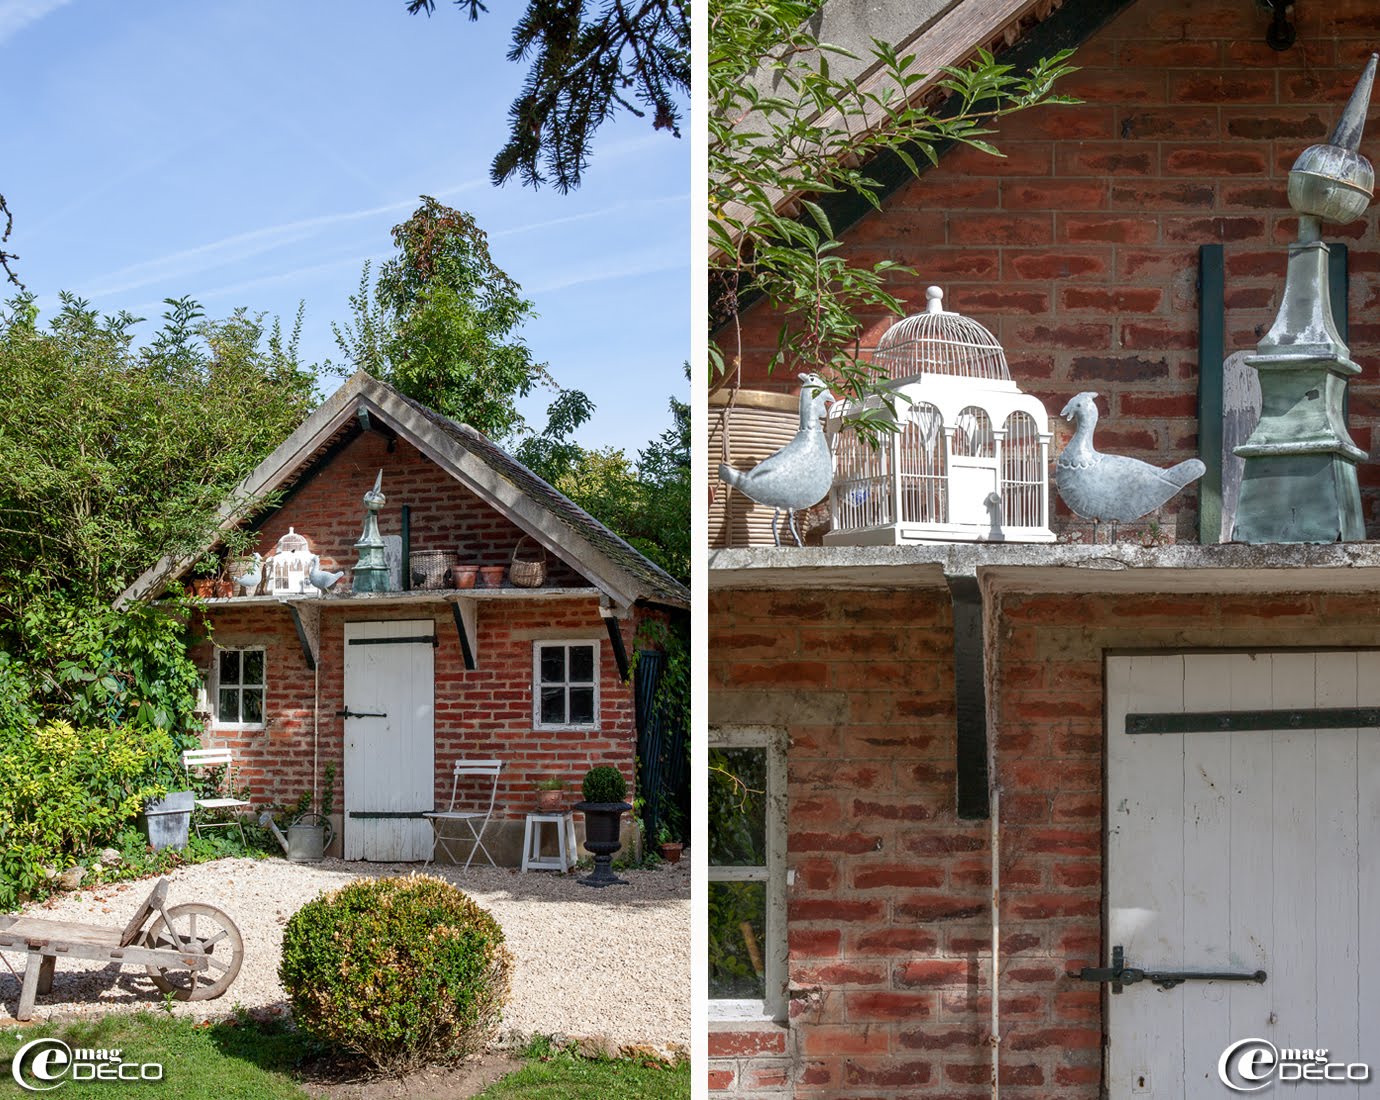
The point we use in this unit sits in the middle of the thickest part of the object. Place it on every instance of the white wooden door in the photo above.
(1240, 851)
(389, 739)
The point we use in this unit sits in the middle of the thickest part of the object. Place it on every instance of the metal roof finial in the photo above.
(1348, 130)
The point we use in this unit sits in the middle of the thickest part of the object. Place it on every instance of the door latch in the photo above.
(348, 713)
(1121, 975)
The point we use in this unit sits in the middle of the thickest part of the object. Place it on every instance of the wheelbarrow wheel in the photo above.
(195, 929)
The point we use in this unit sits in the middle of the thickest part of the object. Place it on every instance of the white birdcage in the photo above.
(969, 460)
(289, 567)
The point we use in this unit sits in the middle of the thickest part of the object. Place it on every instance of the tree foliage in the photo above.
(632, 55)
(115, 455)
(441, 323)
(646, 502)
(783, 130)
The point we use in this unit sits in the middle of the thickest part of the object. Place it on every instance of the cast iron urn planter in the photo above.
(601, 838)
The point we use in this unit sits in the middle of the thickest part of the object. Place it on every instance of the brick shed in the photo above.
(997, 764)
(533, 676)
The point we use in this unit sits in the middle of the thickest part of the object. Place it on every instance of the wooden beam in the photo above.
(970, 698)
(467, 628)
(308, 630)
(1212, 352)
(620, 654)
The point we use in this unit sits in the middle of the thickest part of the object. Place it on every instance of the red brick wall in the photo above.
(486, 712)
(889, 926)
(1079, 249)
(329, 510)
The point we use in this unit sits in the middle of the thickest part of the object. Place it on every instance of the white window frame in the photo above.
(214, 687)
(774, 1006)
(566, 643)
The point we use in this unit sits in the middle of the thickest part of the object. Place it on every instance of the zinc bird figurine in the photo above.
(1111, 488)
(249, 582)
(319, 578)
(800, 473)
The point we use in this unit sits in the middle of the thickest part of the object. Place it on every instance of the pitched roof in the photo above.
(550, 517)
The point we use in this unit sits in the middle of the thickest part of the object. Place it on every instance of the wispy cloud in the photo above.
(625, 208)
(606, 269)
(15, 15)
(241, 246)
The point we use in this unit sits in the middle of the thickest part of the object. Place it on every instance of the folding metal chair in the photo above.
(215, 758)
(476, 820)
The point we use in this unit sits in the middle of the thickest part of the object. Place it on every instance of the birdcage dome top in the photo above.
(939, 341)
(292, 543)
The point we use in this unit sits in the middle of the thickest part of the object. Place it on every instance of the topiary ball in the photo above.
(404, 971)
(604, 784)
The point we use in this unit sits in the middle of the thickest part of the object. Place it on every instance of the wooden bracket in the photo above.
(307, 619)
(467, 628)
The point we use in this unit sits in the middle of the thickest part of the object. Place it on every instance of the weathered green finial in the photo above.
(1299, 483)
(371, 570)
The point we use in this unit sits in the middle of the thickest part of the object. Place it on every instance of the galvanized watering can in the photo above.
(307, 838)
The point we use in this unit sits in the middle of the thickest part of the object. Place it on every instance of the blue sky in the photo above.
(254, 153)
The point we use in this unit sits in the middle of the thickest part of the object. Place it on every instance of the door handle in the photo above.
(1121, 975)
(348, 713)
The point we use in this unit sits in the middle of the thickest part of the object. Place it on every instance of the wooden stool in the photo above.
(564, 860)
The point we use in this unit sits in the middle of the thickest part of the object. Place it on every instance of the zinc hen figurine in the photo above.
(249, 582)
(319, 577)
(800, 473)
(1111, 488)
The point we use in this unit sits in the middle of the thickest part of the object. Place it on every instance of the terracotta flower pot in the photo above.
(670, 851)
(493, 575)
(463, 576)
(550, 802)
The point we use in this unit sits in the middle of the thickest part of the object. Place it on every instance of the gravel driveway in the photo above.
(609, 967)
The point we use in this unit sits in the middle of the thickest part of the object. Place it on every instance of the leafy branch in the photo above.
(785, 129)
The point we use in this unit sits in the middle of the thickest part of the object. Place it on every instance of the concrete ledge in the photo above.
(1056, 567)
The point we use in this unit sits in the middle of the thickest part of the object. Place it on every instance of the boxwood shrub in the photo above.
(604, 783)
(404, 971)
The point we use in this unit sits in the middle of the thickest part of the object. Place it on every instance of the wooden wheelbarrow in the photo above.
(192, 951)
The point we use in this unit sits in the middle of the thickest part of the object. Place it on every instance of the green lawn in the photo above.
(228, 1061)
(247, 1063)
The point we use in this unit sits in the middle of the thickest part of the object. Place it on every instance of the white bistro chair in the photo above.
(216, 758)
(476, 820)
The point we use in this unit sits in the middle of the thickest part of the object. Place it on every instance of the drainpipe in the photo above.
(315, 732)
(990, 617)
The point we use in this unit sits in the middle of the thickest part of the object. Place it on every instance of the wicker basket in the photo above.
(528, 569)
(429, 568)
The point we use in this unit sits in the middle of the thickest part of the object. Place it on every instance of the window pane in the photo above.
(582, 664)
(737, 940)
(253, 666)
(229, 666)
(738, 807)
(253, 704)
(581, 706)
(553, 706)
(229, 705)
(552, 664)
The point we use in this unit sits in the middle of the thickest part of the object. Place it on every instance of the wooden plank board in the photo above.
(1145, 871)
(16, 930)
(1206, 866)
(1337, 946)
(1294, 893)
(1368, 862)
(1252, 845)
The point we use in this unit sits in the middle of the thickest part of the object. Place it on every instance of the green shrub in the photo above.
(604, 784)
(404, 971)
(65, 792)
